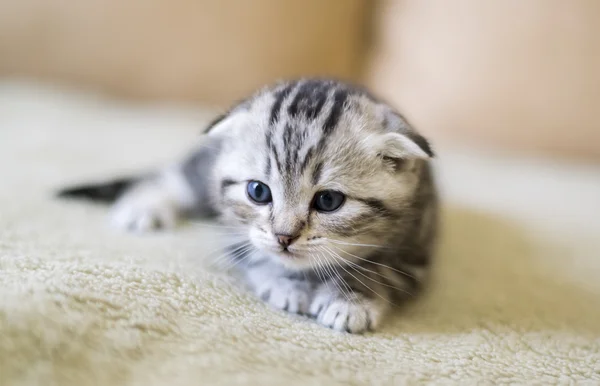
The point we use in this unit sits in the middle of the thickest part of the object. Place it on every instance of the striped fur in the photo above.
(345, 268)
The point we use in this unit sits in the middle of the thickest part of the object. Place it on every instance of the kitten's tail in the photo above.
(105, 192)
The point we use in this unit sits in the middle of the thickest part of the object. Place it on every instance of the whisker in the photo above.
(355, 266)
(319, 273)
(224, 247)
(354, 244)
(204, 224)
(235, 252)
(240, 258)
(347, 291)
(225, 234)
(236, 257)
(336, 273)
(366, 286)
(377, 263)
(229, 250)
(228, 235)
(327, 269)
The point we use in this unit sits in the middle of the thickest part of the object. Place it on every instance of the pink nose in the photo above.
(285, 240)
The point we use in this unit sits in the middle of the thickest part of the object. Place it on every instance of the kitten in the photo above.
(331, 190)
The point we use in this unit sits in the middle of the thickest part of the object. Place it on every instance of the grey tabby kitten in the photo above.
(331, 189)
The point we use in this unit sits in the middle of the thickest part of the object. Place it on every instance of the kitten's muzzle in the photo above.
(286, 240)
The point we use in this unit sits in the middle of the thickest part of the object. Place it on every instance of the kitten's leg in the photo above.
(156, 202)
(350, 303)
(160, 200)
(287, 291)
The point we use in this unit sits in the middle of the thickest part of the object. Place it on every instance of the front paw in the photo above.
(286, 294)
(355, 314)
(144, 209)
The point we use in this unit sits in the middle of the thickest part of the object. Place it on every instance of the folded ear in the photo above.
(223, 119)
(215, 121)
(399, 146)
(223, 123)
(402, 146)
(402, 141)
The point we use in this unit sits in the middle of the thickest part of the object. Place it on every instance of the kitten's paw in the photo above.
(144, 209)
(286, 294)
(356, 315)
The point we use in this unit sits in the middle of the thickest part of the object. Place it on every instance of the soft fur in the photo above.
(345, 268)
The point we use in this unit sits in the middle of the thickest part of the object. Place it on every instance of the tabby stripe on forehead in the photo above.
(299, 138)
(320, 94)
(288, 147)
(268, 166)
(316, 176)
(280, 97)
(309, 99)
(339, 98)
(307, 158)
(287, 136)
(292, 143)
(268, 137)
(276, 158)
(301, 96)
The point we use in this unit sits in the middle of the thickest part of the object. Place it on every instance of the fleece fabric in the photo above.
(515, 296)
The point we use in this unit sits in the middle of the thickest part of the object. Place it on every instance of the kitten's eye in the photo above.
(328, 200)
(259, 192)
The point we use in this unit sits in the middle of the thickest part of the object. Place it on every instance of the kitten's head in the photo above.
(314, 171)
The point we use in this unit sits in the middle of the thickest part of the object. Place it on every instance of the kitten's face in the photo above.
(307, 197)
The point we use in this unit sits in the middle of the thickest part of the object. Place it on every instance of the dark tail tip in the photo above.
(103, 192)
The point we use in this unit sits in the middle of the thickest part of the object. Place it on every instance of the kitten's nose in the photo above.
(285, 240)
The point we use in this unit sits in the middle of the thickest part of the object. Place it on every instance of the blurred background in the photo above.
(520, 76)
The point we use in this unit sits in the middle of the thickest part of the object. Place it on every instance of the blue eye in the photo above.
(259, 192)
(328, 200)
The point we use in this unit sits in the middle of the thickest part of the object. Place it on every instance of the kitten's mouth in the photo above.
(287, 254)
(291, 259)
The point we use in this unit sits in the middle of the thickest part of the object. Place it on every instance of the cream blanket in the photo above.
(515, 298)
